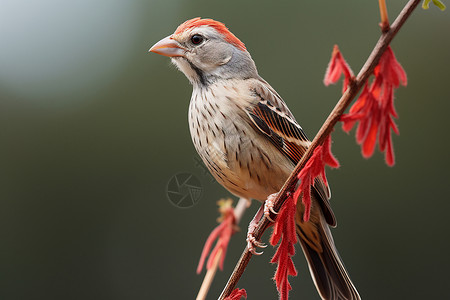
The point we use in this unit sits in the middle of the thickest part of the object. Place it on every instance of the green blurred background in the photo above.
(92, 128)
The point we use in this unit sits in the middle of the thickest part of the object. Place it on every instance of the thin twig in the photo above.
(209, 277)
(239, 211)
(324, 131)
(384, 16)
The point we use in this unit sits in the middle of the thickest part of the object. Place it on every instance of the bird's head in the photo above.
(206, 51)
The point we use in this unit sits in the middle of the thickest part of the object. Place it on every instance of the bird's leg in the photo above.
(252, 243)
(265, 210)
(268, 206)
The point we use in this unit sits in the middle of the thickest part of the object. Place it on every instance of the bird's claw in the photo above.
(268, 207)
(252, 243)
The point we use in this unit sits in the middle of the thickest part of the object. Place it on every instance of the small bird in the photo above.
(248, 138)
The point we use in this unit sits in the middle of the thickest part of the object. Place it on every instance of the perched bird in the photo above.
(248, 138)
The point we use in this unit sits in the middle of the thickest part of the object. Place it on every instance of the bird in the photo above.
(249, 139)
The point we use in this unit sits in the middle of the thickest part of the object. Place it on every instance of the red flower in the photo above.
(314, 167)
(237, 294)
(284, 229)
(222, 233)
(336, 67)
(374, 109)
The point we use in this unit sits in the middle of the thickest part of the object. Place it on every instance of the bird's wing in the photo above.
(272, 117)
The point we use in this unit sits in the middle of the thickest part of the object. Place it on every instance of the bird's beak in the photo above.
(168, 47)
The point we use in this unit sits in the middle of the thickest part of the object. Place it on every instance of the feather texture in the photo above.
(250, 141)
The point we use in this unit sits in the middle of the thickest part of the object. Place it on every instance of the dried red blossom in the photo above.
(374, 109)
(237, 294)
(285, 226)
(314, 167)
(336, 67)
(222, 233)
(284, 230)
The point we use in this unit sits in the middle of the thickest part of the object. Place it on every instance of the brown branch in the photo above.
(325, 130)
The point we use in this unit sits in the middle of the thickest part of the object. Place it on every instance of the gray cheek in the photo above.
(214, 54)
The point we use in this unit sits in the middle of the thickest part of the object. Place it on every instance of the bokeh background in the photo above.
(92, 129)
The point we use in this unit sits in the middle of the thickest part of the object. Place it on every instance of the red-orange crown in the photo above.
(218, 26)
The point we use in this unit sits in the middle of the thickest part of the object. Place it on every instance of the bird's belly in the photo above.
(238, 156)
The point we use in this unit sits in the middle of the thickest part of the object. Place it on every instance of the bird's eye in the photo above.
(196, 39)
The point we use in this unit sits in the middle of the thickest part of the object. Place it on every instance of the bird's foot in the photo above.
(268, 207)
(252, 243)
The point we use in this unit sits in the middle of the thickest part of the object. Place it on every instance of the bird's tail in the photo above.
(327, 269)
